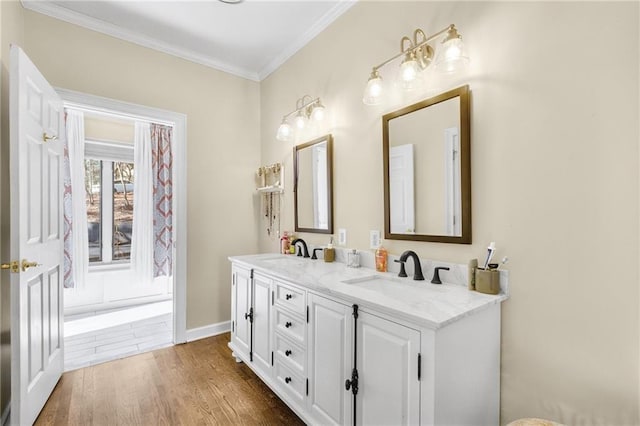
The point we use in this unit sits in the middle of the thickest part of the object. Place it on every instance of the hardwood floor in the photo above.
(195, 383)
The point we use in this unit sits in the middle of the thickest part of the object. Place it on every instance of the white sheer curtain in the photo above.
(79, 233)
(142, 238)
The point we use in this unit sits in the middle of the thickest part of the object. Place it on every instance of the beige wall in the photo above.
(11, 31)
(109, 129)
(554, 135)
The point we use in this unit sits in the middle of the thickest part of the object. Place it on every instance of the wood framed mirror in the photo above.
(313, 186)
(427, 170)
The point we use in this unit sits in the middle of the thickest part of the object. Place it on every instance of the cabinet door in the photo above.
(241, 305)
(261, 322)
(330, 361)
(387, 362)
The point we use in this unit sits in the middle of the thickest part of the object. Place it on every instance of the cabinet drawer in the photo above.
(290, 298)
(290, 325)
(291, 354)
(290, 382)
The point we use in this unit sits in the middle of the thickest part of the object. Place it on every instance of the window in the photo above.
(109, 178)
(93, 191)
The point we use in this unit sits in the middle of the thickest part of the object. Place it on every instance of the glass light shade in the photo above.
(284, 132)
(453, 56)
(318, 112)
(409, 69)
(300, 120)
(373, 92)
(409, 74)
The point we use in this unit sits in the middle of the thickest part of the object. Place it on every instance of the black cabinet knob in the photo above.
(287, 352)
(288, 324)
(288, 296)
(287, 379)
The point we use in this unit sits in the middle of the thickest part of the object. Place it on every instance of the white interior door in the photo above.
(36, 134)
(453, 195)
(401, 189)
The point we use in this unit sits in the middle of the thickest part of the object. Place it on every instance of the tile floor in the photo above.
(105, 336)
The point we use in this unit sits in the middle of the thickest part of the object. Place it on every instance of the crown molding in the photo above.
(63, 14)
(327, 19)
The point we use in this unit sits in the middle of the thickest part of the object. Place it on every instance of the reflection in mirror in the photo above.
(312, 163)
(427, 176)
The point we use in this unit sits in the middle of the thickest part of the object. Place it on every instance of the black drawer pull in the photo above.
(287, 352)
(288, 324)
(288, 296)
(287, 379)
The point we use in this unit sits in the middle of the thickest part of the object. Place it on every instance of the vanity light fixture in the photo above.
(306, 108)
(449, 57)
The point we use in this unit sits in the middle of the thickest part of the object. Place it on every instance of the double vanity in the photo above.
(354, 346)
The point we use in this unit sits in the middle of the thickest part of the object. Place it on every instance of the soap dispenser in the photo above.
(329, 253)
(381, 259)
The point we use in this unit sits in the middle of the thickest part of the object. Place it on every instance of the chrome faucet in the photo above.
(417, 275)
(303, 251)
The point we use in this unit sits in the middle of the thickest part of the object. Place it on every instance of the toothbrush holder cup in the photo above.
(488, 281)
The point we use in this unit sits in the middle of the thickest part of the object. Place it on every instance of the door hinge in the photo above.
(272, 358)
(307, 314)
(233, 326)
(307, 387)
(419, 366)
(251, 274)
(233, 279)
(273, 297)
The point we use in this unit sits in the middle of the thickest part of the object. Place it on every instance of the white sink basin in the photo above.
(404, 289)
(287, 261)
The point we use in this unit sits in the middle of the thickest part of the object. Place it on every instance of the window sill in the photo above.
(109, 267)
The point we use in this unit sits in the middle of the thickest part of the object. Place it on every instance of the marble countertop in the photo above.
(420, 302)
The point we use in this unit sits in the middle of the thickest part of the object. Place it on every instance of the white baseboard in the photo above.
(208, 331)
(5, 414)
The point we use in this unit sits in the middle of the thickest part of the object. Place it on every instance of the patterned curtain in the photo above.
(76, 241)
(161, 165)
(68, 222)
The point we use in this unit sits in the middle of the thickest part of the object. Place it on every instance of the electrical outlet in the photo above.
(342, 237)
(374, 239)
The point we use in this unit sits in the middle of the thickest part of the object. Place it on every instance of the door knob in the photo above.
(26, 264)
(14, 266)
(47, 138)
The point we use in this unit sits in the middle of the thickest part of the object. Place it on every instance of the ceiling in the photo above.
(250, 39)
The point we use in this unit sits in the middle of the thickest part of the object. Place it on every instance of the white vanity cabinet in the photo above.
(311, 347)
(388, 358)
(261, 297)
(289, 315)
(385, 355)
(251, 315)
(241, 311)
(330, 361)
